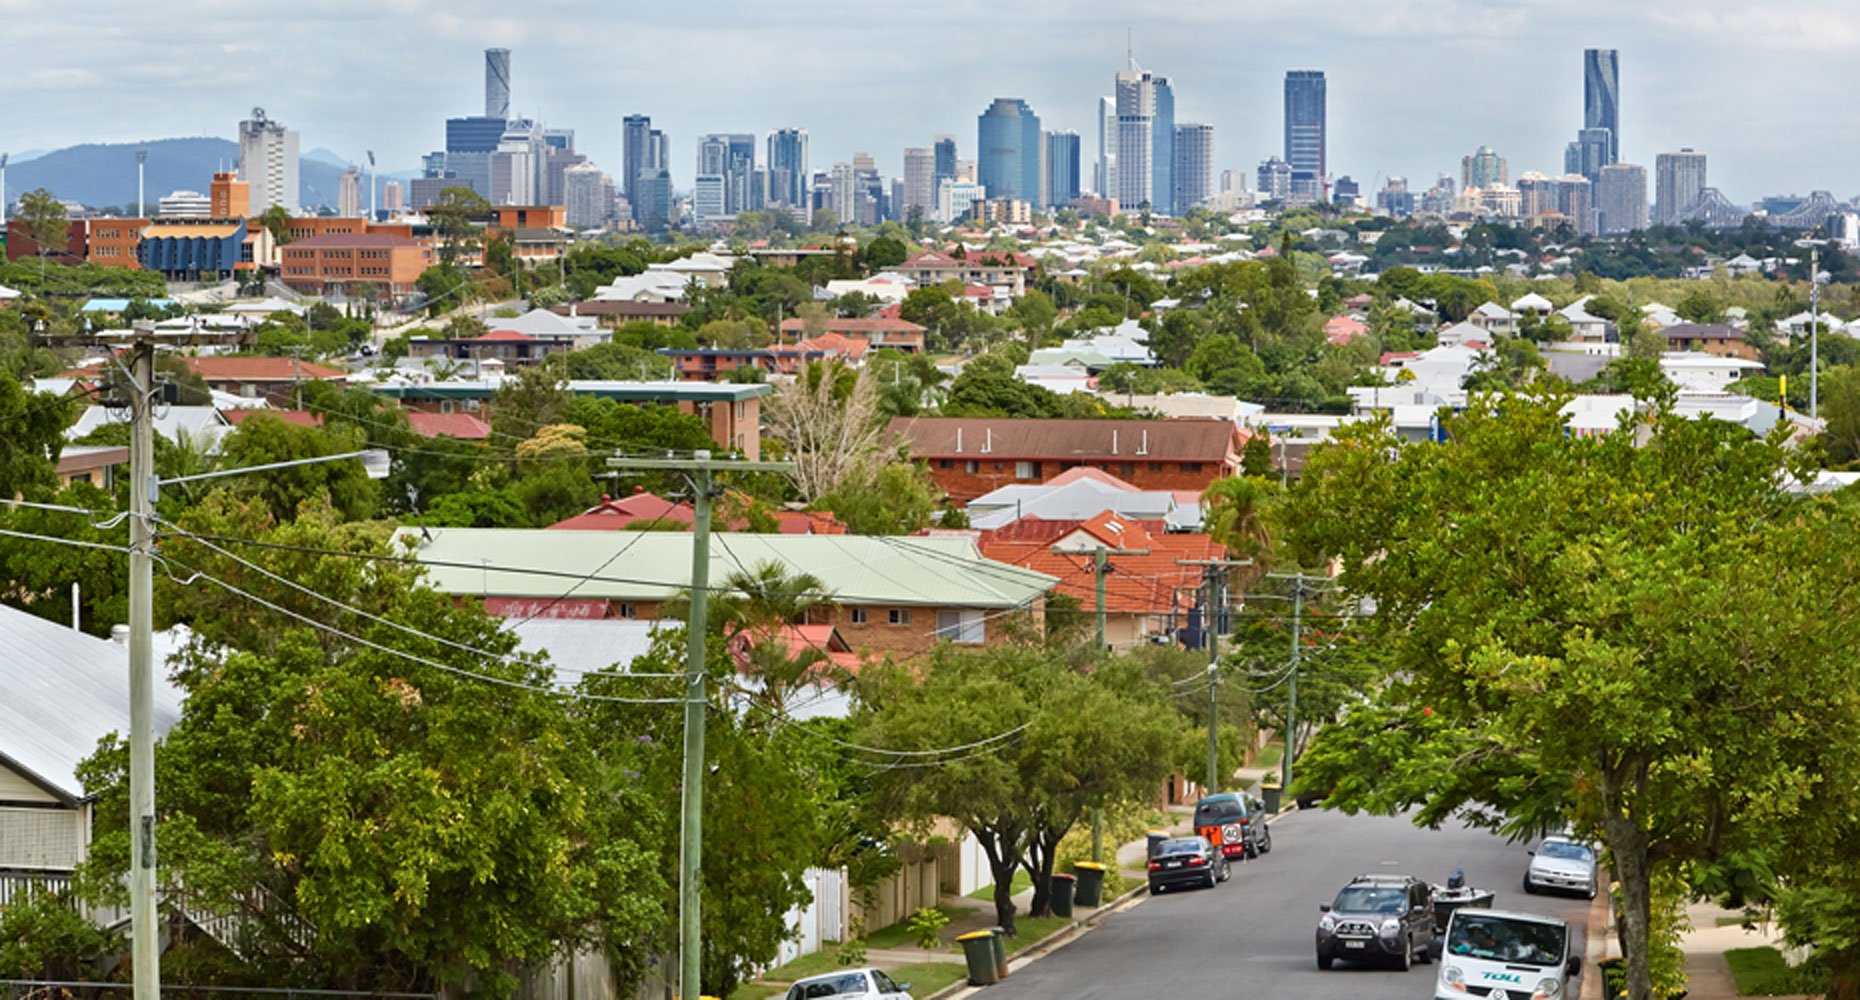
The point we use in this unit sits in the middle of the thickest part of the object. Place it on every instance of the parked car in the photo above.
(1187, 861)
(1378, 918)
(1502, 954)
(1561, 864)
(867, 983)
(1235, 823)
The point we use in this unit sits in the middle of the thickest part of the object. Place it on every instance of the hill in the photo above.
(98, 175)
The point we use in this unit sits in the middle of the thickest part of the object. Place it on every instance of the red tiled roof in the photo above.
(642, 508)
(302, 418)
(463, 426)
(970, 258)
(798, 639)
(1152, 583)
(1075, 440)
(504, 335)
(224, 369)
(1079, 472)
(1033, 528)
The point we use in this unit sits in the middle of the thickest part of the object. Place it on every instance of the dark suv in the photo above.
(1378, 918)
(1234, 823)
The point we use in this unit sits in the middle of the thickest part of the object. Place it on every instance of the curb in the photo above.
(1596, 948)
(1079, 929)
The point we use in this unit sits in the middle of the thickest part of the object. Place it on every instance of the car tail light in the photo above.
(1246, 822)
(1197, 860)
(1155, 866)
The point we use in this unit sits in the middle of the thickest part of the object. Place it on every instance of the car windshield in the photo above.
(851, 983)
(1213, 812)
(1564, 850)
(1502, 939)
(1364, 899)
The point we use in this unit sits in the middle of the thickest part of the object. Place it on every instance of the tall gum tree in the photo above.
(1642, 635)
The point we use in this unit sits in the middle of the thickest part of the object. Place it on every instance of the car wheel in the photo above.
(1208, 880)
(1529, 889)
(1324, 962)
(1155, 890)
(1227, 870)
(1406, 958)
(1265, 841)
(1426, 954)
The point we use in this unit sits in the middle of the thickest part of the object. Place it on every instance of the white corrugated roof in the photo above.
(60, 692)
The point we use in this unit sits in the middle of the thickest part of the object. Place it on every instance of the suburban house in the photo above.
(273, 380)
(201, 426)
(1719, 339)
(884, 595)
(509, 346)
(64, 691)
(732, 411)
(970, 456)
(1494, 318)
(643, 509)
(619, 312)
(95, 464)
(1081, 494)
(1147, 591)
(879, 332)
(989, 268)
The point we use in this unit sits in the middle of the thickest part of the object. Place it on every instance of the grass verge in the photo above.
(1269, 755)
(1021, 884)
(1030, 931)
(756, 991)
(824, 960)
(1761, 972)
(928, 977)
(899, 935)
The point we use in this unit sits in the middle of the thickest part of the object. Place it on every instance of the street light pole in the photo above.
(145, 948)
(1814, 332)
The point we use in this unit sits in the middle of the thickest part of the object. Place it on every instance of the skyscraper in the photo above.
(788, 176)
(1678, 179)
(584, 196)
(1136, 139)
(1484, 168)
(1193, 169)
(1592, 152)
(635, 143)
(1008, 150)
(497, 83)
(1275, 180)
(1621, 199)
(393, 199)
(516, 167)
(919, 195)
(1162, 151)
(268, 162)
(1306, 137)
(349, 193)
(1601, 98)
(1062, 168)
(731, 158)
(1104, 178)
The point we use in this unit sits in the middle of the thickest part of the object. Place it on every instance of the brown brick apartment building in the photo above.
(970, 456)
(339, 260)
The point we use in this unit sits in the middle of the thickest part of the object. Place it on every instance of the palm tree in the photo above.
(1237, 517)
(753, 608)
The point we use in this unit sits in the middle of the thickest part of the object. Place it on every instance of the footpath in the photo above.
(1714, 930)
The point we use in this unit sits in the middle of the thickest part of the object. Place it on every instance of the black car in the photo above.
(1186, 861)
(1378, 918)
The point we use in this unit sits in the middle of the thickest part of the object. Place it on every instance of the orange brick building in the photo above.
(970, 456)
(340, 260)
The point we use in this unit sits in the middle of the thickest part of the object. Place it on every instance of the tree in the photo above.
(445, 287)
(43, 936)
(36, 576)
(883, 252)
(1840, 408)
(35, 434)
(41, 218)
(829, 420)
(276, 220)
(264, 439)
(457, 216)
(896, 498)
(1576, 630)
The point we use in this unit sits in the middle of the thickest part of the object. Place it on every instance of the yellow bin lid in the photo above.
(1093, 865)
(975, 935)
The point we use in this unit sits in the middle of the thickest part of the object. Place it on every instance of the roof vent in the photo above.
(119, 634)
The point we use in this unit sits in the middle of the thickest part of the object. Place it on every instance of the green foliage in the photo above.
(927, 927)
(1617, 628)
(37, 576)
(899, 498)
(40, 217)
(445, 287)
(457, 216)
(1763, 972)
(1511, 363)
(1840, 408)
(56, 280)
(263, 439)
(618, 361)
(44, 936)
(883, 252)
(35, 434)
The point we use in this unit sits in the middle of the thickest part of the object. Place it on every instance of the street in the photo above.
(1253, 936)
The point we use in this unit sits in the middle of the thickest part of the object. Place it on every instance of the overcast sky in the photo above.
(1763, 88)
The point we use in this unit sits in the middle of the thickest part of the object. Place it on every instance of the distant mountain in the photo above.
(101, 175)
(329, 156)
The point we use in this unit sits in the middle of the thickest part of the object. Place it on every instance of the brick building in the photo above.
(971, 456)
(391, 263)
(1717, 339)
(508, 346)
(732, 412)
(992, 268)
(879, 332)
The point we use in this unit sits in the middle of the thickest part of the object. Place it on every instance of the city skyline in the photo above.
(1527, 56)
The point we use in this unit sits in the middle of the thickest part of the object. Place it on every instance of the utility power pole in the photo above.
(699, 471)
(1216, 590)
(1100, 567)
(146, 954)
(142, 158)
(1291, 689)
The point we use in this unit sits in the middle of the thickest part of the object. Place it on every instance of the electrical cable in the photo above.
(880, 751)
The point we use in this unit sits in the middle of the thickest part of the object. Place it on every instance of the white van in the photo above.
(1503, 955)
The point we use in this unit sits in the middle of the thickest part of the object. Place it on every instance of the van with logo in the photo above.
(1505, 955)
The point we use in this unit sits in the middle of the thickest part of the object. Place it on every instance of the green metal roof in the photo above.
(626, 392)
(656, 565)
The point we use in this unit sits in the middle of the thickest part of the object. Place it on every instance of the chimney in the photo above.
(958, 440)
(988, 443)
(1113, 440)
(1144, 448)
(119, 634)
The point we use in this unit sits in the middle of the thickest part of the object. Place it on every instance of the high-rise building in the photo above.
(349, 193)
(1484, 168)
(268, 162)
(1104, 176)
(1621, 199)
(184, 205)
(1193, 169)
(788, 176)
(393, 198)
(1601, 98)
(730, 156)
(1306, 136)
(1575, 199)
(707, 200)
(517, 168)
(584, 196)
(1395, 198)
(1592, 152)
(1347, 192)
(1136, 140)
(1162, 150)
(497, 83)
(843, 193)
(1062, 168)
(635, 140)
(1677, 180)
(652, 199)
(1275, 180)
(919, 183)
(1008, 150)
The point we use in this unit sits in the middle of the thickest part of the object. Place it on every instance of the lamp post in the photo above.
(1814, 324)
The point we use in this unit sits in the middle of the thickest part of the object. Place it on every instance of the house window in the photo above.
(628, 610)
(970, 467)
(80, 477)
(946, 463)
(900, 616)
(1158, 466)
(1191, 466)
(963, 625)
(1026, 470)
(1127, 469)
(858, 616)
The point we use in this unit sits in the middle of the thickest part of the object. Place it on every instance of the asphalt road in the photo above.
(1253, 935)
